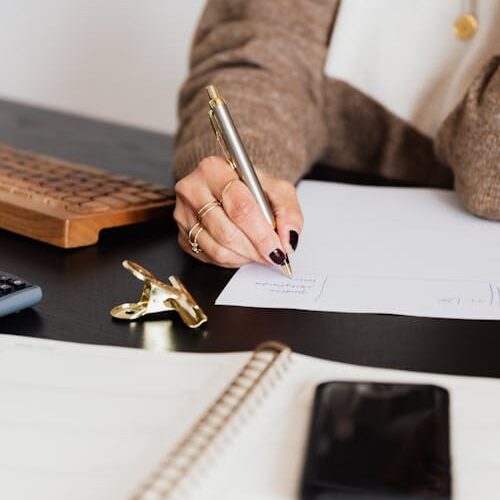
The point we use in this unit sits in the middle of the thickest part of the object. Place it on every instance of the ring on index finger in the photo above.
(207, 208)
(227, 186)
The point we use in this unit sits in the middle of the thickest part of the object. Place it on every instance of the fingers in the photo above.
(223, 243)
(285, 204)
(236, 232)
(212, 252)
(228, 235)
(205, 186)
(242, 209)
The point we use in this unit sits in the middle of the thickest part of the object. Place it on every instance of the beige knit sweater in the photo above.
(267, 58)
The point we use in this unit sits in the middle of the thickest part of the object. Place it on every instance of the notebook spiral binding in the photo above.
(176, 474)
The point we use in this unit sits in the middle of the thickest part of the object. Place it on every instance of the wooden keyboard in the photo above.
(67, 204)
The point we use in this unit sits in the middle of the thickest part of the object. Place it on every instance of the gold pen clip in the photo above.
(220, 139)
(157, 297)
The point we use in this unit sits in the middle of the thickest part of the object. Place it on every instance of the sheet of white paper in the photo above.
(410, 251)
(89, 423)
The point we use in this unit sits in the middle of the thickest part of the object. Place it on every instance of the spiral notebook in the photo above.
(98, 423)
(185, 465)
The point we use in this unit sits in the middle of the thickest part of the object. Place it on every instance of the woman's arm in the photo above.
(267, 58)
(469, 141)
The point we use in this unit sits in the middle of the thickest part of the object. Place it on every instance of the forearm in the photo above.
(267, 60)
(469, 141)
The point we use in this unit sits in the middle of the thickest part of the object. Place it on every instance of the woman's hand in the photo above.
(235, 232)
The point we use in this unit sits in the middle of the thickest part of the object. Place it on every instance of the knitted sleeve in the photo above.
(469, 141)
(266, 57)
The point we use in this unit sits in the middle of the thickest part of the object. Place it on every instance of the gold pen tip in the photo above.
(286, 268)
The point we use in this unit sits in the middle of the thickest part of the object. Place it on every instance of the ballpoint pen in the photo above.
(236, 155)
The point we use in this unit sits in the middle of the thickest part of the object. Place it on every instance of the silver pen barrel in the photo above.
(241, 161)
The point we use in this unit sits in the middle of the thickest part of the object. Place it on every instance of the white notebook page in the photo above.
(86, 422)
(90, 423)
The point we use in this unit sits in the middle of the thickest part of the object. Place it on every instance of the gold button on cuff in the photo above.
(465, 26)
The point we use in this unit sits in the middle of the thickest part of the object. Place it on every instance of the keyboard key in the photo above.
(131, 189)
(75, 199)
(92, 193)
(153, 196)
(53, 202)
(112, 202)
(95, 206)
(131, 198)
(77, 209)
(18, 191)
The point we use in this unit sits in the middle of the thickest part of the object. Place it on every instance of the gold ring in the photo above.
(206, 208)
(226, 187)
(193, 234)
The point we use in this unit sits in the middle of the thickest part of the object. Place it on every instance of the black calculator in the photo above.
(16, 293)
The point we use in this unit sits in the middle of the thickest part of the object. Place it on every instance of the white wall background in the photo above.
(119, 60)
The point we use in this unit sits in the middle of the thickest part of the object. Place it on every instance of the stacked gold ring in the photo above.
(207, 208)
(193, 234)
(195, 231)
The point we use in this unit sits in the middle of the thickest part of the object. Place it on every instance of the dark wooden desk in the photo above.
(80, 286)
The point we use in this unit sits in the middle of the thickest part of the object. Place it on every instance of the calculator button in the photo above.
(18, 284)
(16, 294)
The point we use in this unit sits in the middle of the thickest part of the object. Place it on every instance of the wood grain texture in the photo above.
(68, 204)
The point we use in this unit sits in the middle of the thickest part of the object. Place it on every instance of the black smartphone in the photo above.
(378, 441)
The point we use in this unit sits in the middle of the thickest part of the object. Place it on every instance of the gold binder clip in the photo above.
(158, 296)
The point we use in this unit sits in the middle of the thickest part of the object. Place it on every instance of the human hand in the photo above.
(235, 231)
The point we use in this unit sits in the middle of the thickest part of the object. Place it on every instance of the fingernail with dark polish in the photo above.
(277, 256)
(294, 239)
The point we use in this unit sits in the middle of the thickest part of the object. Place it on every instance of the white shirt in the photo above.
(405, 55)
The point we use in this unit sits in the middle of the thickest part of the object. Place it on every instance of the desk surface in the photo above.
(81, 286)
